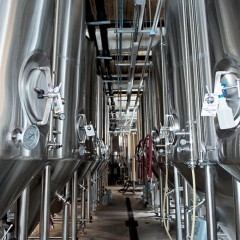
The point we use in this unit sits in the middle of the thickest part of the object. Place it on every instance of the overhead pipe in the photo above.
(101, 16)
(152, 35)
(138, 21)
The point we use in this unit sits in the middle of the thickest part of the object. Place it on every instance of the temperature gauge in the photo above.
(31, 137)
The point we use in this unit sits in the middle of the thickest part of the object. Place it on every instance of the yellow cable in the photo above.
(194, 204)
(164, 203)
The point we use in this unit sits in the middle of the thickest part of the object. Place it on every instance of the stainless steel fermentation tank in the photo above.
(200, 40)
(26, 31)
(65, 160)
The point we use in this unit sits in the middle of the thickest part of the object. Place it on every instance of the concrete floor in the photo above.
(109, 221)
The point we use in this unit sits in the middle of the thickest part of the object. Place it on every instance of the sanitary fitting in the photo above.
(54, 145)
(199, 205)
(62, 198)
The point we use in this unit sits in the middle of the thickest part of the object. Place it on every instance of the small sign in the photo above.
(89, 130)
(210, 105)
(57, 104)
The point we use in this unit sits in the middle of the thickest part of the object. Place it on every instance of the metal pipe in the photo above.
(89, 196)
(23, 215)
(83, 201)
(66, 214)
(152, 35)
(161, 190)
(177, 205)
(187, 203)
(210, 204)
(168, 211)
(236, 187)
(45, 203)
(74, 204)
(55, 41)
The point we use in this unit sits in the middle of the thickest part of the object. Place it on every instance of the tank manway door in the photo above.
(34, 73)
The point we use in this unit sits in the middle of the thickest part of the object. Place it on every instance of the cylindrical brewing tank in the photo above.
(140, 120)
(190, 69)
(70, 45)
(158, 85)
(26, 32)
(132, 142)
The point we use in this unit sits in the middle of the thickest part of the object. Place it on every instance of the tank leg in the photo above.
(168, 212)
(83, 205)
(236, 186)
(74, 205)
(89, 196)
(187, 203)
(210, 204)
(66, 214)
(45, 203)
(177, 204)
(23, 215)
(161, 190)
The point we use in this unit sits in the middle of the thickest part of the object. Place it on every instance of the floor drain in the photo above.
(147, 222)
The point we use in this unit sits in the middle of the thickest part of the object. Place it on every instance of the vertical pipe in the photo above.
(177, 205)
(210, 204)
(45, 203)
(66, 214)
(83, 204)
(161, 190)
(23, 215)
(89, 196)
(236, 186)
(168, 212)
(186, 204)
(74, 204)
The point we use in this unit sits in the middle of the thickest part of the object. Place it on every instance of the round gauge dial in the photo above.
(31, 137)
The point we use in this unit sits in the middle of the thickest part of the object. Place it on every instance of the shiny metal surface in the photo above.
(23, 215)
(226, 57)
(45, 203)
(66, 213)
(26, 29)
(177, 204)
(74, 205)
(70, 45)
(210, 204)
(193, 55)
(236, 186)
(187, 202)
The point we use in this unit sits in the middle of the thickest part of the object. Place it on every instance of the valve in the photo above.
(66, 200)
(54, 100)
(54, 145)
(182, 150)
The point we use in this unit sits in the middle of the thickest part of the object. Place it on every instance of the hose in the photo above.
(194, 203)
(164, 203)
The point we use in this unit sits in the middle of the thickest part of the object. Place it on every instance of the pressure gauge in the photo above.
(62, 116)
(31, 137)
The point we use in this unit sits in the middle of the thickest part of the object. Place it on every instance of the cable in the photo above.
(164, 203)
(194, 203)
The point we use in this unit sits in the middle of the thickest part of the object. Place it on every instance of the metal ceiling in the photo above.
(131, 35)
